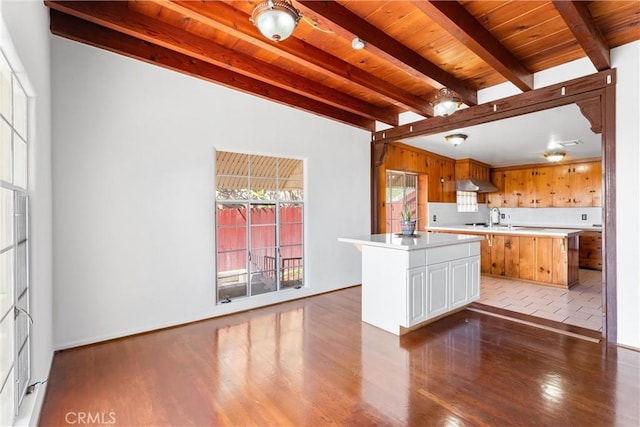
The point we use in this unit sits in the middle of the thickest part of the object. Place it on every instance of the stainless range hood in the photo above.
(475, 185)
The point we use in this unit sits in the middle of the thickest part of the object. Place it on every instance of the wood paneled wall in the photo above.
(436, 178)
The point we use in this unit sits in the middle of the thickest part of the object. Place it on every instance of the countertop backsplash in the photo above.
(447, 214)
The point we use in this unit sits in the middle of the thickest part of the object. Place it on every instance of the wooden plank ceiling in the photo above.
(412, 48)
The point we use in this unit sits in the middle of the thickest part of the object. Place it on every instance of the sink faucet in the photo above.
(494, 217)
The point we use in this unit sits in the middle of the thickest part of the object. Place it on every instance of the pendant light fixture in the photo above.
(276, 19)
(445, 103)
(456, 138)
(555, 156)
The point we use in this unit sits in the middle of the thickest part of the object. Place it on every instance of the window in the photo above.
(14, 265)
(259, 224)
(467, 201)
(402, 189)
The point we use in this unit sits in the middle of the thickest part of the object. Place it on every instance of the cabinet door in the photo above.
(497, 255)
(437, 286)
(544, 186)
(544, 259)
(485, 254)
(496, 199)
(595, 189)
(512, 256)
(449, 185)
(514, 188)
(416, 295)
(460, 271)
(563, 182)
(587, 184)
(527, 249)
(474, 280)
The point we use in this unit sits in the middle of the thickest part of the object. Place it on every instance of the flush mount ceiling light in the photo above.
(357, 43)
(445, 103)
(456, 138)
(555, 156)
(275, 19)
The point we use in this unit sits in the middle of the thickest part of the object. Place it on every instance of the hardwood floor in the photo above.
(312, 362)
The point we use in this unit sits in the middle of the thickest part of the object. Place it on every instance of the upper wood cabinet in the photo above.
(567, 185)
(539, 187)
(578, 185)
(496, 199)
(473, 169)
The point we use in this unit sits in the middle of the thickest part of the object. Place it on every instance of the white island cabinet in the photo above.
(410, 281)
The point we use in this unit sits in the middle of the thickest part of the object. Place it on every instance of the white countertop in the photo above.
(423, 241)
(502, 229)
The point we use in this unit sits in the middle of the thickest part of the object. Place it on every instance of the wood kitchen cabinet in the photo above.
(566, 185)
(442, 185)
(578, 185)
(550, 261)
(539, 187)
(515, 185)
(591, 250)
(496, 198)
(473, 169)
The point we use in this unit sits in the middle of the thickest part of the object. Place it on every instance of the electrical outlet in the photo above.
(584, 217)
(435, 218)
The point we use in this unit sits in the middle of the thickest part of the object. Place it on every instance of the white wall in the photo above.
(27, 25)
(134, 192)
(627, 60)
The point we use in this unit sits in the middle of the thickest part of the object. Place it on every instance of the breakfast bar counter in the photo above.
(546, 256)
(408, 282)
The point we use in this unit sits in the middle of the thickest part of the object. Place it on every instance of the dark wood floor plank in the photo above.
(313, 362)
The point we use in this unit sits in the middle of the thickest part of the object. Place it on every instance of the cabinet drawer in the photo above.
(448, 253)
(417, 258)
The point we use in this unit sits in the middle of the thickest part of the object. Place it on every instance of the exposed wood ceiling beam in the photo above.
(116, 16)
(95, 35)
(455, 19)
(351, 25)
(221, 16)
(579, 20)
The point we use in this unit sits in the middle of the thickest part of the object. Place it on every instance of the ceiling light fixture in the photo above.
(445, 103)
(554, 156)
(456, 138)
(276, 19)
(357, 43)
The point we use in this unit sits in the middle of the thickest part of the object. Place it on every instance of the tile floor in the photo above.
(579, 306)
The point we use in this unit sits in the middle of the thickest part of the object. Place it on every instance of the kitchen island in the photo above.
(408, 282)
(547, 256)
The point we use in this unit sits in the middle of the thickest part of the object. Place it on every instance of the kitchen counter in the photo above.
(503, 229)
(408, 282)
(548, 256)
(408, 243)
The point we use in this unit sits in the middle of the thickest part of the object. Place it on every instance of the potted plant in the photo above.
(408, 225)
